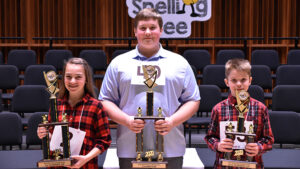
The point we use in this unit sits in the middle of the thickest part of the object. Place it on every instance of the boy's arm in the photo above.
(265, 142)
(213, 135)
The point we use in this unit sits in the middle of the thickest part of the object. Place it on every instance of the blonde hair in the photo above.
(89, 84)
(147, 14)
(238, 64)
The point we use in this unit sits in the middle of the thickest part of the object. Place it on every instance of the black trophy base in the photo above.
(235, 163)
(56, 163)
(149, 164)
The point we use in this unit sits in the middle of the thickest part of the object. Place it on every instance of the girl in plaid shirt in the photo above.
(237, 78)
(77, 99)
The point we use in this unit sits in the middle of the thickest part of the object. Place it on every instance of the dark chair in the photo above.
(118, 52)
(257, 93)
(34, 74)
(210, 96)
(293, 57)
(266, 57)
(261, 76)
(226, 54)
(286, 98)
(10, 130)
(195, 71)
(1, 106)
(285, 125)
(96, 90)
(9, 80)
(197, 58)
(215, 75)
(30, 99)
(288, 75)
(97, 60)
(1, 58)
(57, 57)
(22, 59)
(31, 132)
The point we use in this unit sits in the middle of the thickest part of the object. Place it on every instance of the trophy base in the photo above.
(235, 163)
(55, 163)
(149, 164)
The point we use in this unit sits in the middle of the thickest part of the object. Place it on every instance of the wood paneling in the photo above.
(109, 18)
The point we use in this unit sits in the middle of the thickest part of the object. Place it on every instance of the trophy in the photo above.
(56, 158)
(242, 98)
(145, 159)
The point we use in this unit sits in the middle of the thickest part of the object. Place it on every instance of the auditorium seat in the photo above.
(195, 71)
(210, 96)
(97, 60)
(267, 57)
(288, 75)
(261, 76)
(198, 58)
(286, 98)
(285, 125)
(293, 57)
(9, 80)
(96, 90)
(30, 99)
(22, 59)
(10, 130)
(1, 106)
(215, 75)
(57, 57)
(257, 93)
(1, 58)
(281, 159)
(118, 52)
(34, 74)
(31, 132)
(226, 54)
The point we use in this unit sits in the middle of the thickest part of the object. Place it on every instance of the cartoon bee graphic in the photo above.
(191, 3)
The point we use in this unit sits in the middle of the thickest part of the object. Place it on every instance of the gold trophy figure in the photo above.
(150, 75)
(242, 98)
(57, 158)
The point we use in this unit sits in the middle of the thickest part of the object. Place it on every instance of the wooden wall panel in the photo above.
(109, 18)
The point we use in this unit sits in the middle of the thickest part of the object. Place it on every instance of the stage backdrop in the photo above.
(109, 18)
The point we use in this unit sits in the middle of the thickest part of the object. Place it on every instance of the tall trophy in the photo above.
(240, 134)
(56, 158)
(145, 159)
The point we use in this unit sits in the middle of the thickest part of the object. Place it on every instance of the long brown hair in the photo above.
(88, 87)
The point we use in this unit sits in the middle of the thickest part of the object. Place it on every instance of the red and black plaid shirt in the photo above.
(94, 122)
(258, 113)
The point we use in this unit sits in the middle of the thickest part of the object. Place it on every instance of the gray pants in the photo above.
(173, 162)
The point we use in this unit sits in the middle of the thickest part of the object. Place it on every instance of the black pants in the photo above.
(173, 162)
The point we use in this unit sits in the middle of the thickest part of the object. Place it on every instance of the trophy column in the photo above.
(65, 137)
(159, 141)
(45, 140)
(231, 136)
(139, 140)
(250, 139)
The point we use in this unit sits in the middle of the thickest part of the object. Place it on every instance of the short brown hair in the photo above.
(89, 84)
(237, 64)
(147, 14)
